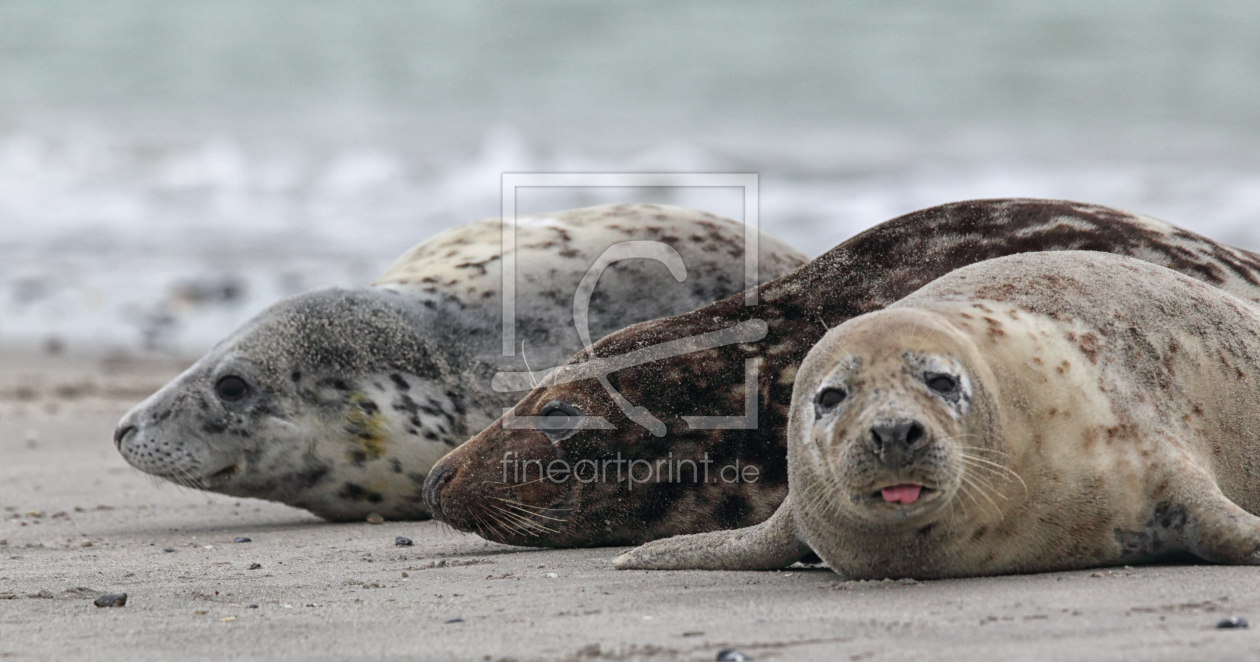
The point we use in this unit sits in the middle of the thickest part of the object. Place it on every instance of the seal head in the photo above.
(362, 395)
(901, 434)
(888, 424)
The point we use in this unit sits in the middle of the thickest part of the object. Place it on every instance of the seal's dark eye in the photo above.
(558, 420)
(942, 383)
(828, 398)
(231, 388)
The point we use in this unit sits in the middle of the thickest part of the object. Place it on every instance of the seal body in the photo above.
(1037, 412)
(339, 401)
(740, 362)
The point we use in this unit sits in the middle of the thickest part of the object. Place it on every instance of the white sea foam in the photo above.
(107, 239)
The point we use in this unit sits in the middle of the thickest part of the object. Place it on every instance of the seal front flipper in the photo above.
(766, 546)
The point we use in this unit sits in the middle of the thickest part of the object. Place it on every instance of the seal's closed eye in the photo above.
(559, 420)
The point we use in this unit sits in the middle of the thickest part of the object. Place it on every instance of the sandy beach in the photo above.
(78, 523)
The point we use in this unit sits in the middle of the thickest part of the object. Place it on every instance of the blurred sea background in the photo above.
(170, 167)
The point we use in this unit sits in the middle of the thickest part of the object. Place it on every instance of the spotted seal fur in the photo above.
(499, 469)
(339, 401)
(1047, 411)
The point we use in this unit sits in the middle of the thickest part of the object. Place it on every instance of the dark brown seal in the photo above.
(692, 480)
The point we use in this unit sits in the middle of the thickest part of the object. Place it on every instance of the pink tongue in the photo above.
(902, 493)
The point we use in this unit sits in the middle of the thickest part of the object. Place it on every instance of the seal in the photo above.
(686, 378)
(1039, 412)
(339, 401)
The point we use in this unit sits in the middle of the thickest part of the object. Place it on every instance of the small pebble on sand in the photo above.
(242, 539)
(1233, 623)
(111, 600)
(732, 655)
(403, 542)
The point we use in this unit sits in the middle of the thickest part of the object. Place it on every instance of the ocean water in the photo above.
(169, 168)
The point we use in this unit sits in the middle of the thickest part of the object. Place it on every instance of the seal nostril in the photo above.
(121, 433)
(896, 435)
(438, 477)
(877, 441)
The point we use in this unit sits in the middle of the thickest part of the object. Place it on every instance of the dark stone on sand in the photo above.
(403, 541)
(111, 600)
(1232, 623)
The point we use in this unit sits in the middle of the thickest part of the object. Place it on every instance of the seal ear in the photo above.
(767, 546)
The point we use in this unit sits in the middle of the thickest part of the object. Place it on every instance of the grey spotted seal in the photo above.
(1038, 412)
(339, 401)
(677, 368)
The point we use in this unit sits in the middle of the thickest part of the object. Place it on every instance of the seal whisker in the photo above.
(526, 525)
(823, 493)
(500, 485)
(528, 521)
(481, 527)
(493, 523)
(516, 522)
(183, 479)
(995, 466)
(982, 449)
(965, 490)
(989, 470)
(509, 524)
(965, 479)
(984, 482)
(446, 530)
(496, 517)
(526, 509)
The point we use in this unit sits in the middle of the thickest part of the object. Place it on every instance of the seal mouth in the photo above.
(221, 476)
(903, 495)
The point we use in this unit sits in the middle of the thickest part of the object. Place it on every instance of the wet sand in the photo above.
(77, 522)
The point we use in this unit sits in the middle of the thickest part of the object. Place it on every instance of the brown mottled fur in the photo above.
(864, 274)
(1117, 420)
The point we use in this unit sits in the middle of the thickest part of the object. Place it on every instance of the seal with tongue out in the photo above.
(1038, 412)
(715, 385)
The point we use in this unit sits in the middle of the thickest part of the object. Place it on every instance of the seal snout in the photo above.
(438, 477)
(121, 433)
(894, 440)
